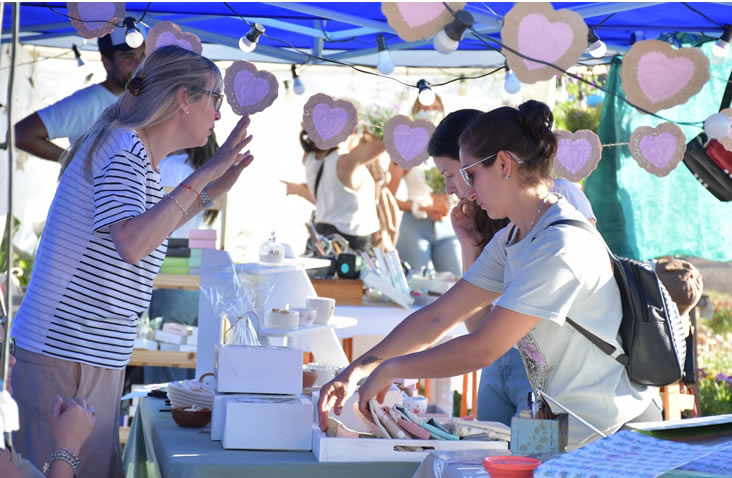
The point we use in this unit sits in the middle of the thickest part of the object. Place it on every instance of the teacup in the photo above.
(324, 307)
(416, 404)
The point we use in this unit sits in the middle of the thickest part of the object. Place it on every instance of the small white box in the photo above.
(168, 337)
(175, 328)
(146, 344)
(169, 347)
(192, 340)
(218, 413)
(263, 369)
(261, 422)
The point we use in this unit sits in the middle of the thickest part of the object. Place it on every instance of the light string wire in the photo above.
(66, 52)
(97, 21)
(485, 39)
(700, 13)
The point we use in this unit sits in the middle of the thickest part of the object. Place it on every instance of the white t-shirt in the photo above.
(351, 211)
(174, 169)
(73, 116)
(83, 300)
(564, 272)
(574, 195)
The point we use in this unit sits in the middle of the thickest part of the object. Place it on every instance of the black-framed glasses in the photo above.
(217, 97)
(12, 347)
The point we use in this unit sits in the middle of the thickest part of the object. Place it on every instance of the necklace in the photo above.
(146, 144)
(538, 213)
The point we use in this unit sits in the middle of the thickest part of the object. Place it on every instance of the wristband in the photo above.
(206, 201)
(63, 454)
(200, 199)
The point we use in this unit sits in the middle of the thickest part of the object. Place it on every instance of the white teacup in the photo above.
(324, 307)
(416, 404)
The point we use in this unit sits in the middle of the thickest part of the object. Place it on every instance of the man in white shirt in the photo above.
(73, 115)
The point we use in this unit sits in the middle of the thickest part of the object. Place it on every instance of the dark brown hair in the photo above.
(308, 145)
(526, 132)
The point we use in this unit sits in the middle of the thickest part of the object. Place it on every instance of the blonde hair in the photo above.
(166, 70)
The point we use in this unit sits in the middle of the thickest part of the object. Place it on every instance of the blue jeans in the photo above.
(421, 240)
(503, 389)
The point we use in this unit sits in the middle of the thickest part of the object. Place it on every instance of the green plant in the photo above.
(376, 117)
(435, 180)
(715, 394)
(722, 319)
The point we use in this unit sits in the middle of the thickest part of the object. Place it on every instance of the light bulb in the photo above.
(447, 40)
(298, 86)
(248, 42)
(444, 44)
(133, 37)
(598, 49)
(462, 88)
(720, 49)
(717, 126)
(426, 95)
(385, 64)
(512, 84)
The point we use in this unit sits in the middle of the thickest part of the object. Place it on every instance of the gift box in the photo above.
(262, 422)
(534, 436)
(258, 369)
(218, 413)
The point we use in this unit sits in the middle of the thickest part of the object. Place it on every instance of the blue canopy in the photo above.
(347, 31)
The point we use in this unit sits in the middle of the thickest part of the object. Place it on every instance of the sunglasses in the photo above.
(217, 97)
(12, 347)
(468, 178)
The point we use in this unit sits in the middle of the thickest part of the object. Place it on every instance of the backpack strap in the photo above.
(611, 350)
(318, 178)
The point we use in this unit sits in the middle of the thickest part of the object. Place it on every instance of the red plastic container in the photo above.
(510, 466)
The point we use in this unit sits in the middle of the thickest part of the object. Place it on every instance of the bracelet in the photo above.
(185, 213)
(200, 200)
(63, 454)
(206, 201)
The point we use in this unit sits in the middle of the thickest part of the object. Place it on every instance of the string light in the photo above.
(462, 87)
(447, 40)
(717, 126)
(133, 37)
(77, 54)
(298, 87)
(597, 47)
(426, 95)
(512, 84)
(248, 42)
(720, 49)
(385, 64)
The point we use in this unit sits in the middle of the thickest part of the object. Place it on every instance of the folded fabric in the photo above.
(177, 242)
(178, 252)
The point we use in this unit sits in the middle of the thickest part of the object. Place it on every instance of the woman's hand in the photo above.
(376, 385)
(228, 159)
(334, 394)
(463, 223)
(72, 421)
(294, 189)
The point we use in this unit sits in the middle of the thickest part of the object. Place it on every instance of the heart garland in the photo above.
(415, 21)
(168, 33)
(727, 140)
(658, 150)
(577, 154)
(406, 140)
(656, 76)
(536, 30)
(249, 90)
(95, 19)
(328, 122)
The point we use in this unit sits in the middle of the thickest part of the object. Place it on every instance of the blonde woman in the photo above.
(104, 242)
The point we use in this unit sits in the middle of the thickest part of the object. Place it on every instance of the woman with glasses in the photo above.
(536, 274)
(103, 244)
(71, 422)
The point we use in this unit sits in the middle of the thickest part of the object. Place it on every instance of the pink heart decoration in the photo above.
(577, 154)
(415, 21)
(658, 150)
(727, 140)
(168, 33)
(328, 122)
(656, 76)
(249, 90)
(538, 31)
(539, 38)
(406, 140)
(95, 19)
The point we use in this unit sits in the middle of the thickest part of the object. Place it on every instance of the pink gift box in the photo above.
(208, 234)
(202, 244)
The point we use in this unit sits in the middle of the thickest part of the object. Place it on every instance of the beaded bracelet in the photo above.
(63, 454)
(185, 213)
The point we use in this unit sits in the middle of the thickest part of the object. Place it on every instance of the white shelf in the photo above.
(336, 322)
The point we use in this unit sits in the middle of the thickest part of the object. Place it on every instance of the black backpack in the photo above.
(654, 348)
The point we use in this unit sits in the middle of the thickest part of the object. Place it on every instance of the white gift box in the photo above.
(169, 337)
(264, 422)
(218, 413)
(175, 328)
(263, 369)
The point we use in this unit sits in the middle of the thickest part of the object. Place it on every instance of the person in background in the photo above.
(73, 115)
(534, 275)
(424, 232)
(71, 421)
(504, 386)
(341, 187)
(104, 241)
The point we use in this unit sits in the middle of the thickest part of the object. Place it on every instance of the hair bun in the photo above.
(537, 119)
(134, 86)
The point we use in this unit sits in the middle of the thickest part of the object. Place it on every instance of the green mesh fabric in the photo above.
(641, 215)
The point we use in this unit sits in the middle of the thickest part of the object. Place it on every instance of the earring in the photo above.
(506, 177)
(187, 111)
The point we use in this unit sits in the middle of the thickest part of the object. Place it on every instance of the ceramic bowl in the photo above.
(510, 466)
(191, 418)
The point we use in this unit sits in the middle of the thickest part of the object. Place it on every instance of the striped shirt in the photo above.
(83, 300)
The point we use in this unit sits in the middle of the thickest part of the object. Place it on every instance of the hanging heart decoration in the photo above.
(536, 30)
(577, 154)
(415, 21)
(656, 76)
(168, 33)
(95, 19)
(658, 150)
(726, 141)
(249, 90)
(406, 140)
(328, 122)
